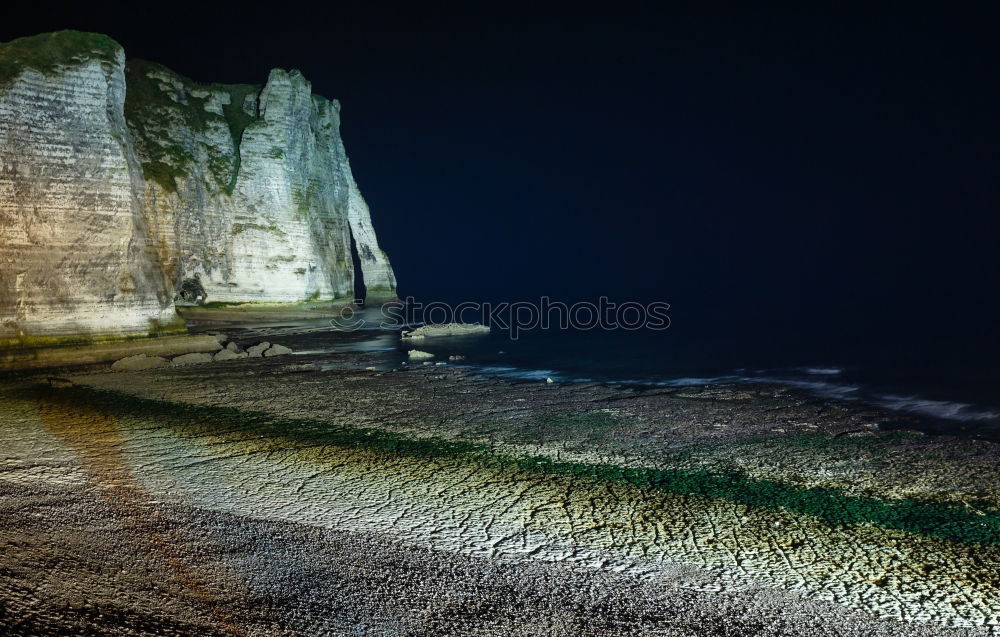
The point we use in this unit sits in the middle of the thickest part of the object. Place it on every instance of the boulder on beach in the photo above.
(192, 359)
(417, 355)
(257, 351)
(228, 355)
(137, 362)
(446, 329)
(277, 350)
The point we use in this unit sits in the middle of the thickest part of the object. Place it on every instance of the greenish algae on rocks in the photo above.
(494, 502)
(75, 353)
(957, 521)
(226, 313)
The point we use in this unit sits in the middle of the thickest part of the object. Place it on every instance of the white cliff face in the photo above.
(111, 197)
(259, 203)
(295, 241)
(74, 259)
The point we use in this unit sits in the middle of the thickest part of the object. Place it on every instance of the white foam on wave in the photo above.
(822, 371)
(694, 381)
(936, 408)
(519, 373)
(823, 389)
(818, 388)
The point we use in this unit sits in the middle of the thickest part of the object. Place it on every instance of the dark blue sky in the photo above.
(831, 173)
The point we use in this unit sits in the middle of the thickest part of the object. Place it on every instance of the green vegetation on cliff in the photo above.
(161, 113)
(48, 52)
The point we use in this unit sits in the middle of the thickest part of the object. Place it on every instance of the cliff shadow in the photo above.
(360, 292)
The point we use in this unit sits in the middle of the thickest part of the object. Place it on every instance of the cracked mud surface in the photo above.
(309, 496)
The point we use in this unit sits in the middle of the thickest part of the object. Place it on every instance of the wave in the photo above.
(520, 373)
(694, 381)
(818, 388)
(822, 371)
(823, 389)
(936, 408)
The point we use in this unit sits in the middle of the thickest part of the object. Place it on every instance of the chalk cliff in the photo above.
(123, 186)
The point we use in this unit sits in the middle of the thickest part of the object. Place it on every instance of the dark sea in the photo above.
(951, 388)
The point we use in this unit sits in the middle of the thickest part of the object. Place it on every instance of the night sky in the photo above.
(827, 173)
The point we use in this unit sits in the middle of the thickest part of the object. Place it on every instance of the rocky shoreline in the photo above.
(319, 492)
(228, 350)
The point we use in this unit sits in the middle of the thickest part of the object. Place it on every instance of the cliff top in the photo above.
(160, 104)
(162, 107)
(48, 52)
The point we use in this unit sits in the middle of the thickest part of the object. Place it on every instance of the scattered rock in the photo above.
(222, 338)
(257, 351)
(228, 355)
(439, 363)
(137, 362)
(277, 350)
(233, 347)
(456, 357)
(549, 381)
(417, 354)
(192, 359)
(447, 329)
